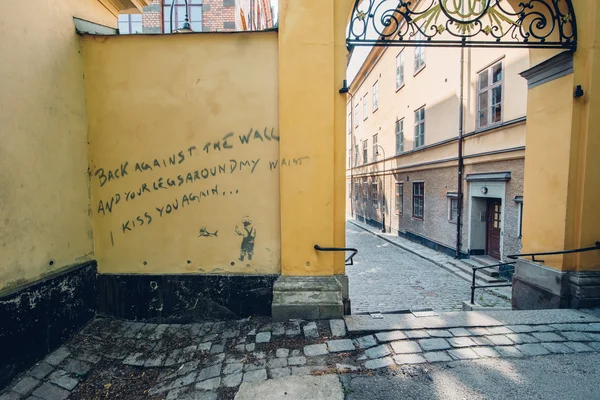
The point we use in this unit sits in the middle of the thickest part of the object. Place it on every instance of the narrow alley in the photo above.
(386, 278)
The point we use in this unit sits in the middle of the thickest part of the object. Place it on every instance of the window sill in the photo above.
(453, 222)
(419, 70)
(399, 88)
(375, 109)
(488, 127)
(417, 218)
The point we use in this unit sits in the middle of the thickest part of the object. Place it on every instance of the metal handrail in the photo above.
(550, 253)
(515, 256)
(344, 249)
(474, 286)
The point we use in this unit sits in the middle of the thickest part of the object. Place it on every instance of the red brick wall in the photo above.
(152, 20)
(217, 16)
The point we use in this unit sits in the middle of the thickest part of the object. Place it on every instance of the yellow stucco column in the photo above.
(562, 176)
(312, 60)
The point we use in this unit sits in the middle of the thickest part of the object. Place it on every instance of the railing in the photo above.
(349, 260)
(474, 286)
(514, 257)
(552, 253)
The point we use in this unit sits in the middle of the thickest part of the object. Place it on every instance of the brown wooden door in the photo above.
(494, 219)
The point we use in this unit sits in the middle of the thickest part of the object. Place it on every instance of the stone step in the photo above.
(467, 273)
(307, 297)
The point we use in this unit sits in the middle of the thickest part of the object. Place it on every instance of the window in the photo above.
(419, 54)
(375, 101)
(399, 197)
(420, 127)
(194, 14)
(399, 136)
(519, 201)
(365, 155)
(400, 70)
(453, 209)
(365, 191)
(130, 24)
(350, 158)
(356, 116)
(375, 194)
(355, 155)
(365, 106)
(418, 199)
(349, 123)
(375, 149)
(356, 190)
(489, 96)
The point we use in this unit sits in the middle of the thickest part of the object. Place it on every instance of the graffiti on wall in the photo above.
(187, 183)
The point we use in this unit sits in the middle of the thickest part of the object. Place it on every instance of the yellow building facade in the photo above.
(88, 132)
(405, 103)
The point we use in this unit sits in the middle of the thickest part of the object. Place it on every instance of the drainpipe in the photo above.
(459, 207)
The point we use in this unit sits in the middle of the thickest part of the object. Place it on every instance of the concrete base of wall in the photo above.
(536, 286)
(307, 297)
(184, 298)
(37, 319)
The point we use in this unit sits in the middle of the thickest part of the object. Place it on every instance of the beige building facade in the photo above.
(404, 123)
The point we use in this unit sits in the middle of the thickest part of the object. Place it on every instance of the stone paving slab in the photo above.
(541, 317)
(325, 387)
(403, 322)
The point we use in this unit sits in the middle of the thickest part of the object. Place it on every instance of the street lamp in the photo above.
(383, 203)
(186, 23)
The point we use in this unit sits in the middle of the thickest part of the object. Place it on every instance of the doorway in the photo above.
(494, 224)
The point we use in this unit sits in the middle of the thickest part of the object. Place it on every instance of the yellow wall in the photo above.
(312, 123)
(562, 189)
(162, 97)
(44, 201)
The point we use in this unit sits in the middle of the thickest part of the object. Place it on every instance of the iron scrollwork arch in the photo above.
(469, 23)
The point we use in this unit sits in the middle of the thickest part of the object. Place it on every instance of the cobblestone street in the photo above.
(387, 278)
(112, 359)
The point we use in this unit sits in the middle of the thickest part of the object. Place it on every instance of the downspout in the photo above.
(351, 153)
(459, 206)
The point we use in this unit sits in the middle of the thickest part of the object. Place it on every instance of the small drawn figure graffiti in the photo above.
(248, 234)
(205, 233)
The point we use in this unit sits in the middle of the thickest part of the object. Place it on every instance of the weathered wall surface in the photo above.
(44, 200)
(185, 156)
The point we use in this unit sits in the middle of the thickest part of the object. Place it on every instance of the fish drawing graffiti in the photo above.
(248, 234)
(205, 233)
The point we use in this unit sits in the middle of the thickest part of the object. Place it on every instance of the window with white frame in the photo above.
(355, 155)
(519, 201)
(375, 149)
(365, 191)
(356, 116)
(400, 70)
(365, 154)
(399, 136)
(420, 127)
(419, 53)
(375, 193)
(365, 106)
(453, 208)
(375, 100)
(349, 158)
(399, 197)
(418, 200)
(130, 24)
(489, 96)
